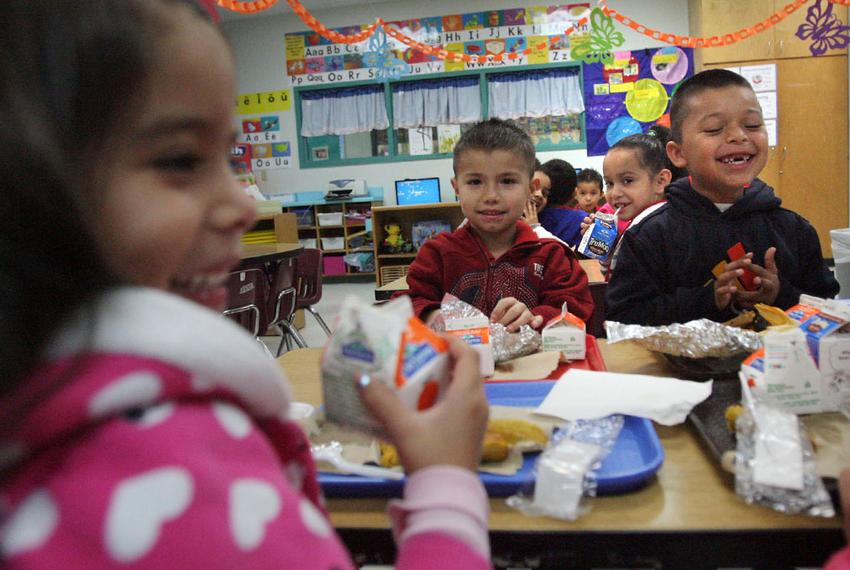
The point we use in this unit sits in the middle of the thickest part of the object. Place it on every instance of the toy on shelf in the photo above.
(395, 242)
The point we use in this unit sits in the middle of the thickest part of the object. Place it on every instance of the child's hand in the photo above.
(530, 212)
(766, 279)
(451, 432)
(513, 314)
(725, 286)
(587, 222)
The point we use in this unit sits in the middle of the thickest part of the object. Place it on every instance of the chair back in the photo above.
(246, 300)
(282, 296)
(309, 277)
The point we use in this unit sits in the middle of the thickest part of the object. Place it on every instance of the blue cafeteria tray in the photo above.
(636, 456)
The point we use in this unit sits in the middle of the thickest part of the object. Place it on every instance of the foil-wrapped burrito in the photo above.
(702, 338)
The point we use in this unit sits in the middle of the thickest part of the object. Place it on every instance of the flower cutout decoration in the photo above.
(381, 57)
(599, 44)
(824, 29)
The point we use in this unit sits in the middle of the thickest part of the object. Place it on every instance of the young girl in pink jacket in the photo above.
(139, 428)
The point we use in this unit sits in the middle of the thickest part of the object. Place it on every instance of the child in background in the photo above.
(540, 185)
(636, 172)
(589, 190)
(558, 217)
(142, 429)
(665, 266)
(496, 262)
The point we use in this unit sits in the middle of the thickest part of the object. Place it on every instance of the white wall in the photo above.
(258, 44)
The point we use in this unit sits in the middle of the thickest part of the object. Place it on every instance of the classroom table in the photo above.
(258, 253)
(686, 517)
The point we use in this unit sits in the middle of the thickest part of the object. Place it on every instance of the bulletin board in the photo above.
(629, 95)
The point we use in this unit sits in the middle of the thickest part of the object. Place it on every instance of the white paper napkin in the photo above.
(585, 394)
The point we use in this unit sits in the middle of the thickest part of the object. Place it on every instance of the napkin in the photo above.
(586, 394)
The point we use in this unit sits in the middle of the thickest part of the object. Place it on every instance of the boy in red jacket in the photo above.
(496, 262)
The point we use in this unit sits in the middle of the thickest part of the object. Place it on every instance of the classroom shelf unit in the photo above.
(391, 266)
(337, 228)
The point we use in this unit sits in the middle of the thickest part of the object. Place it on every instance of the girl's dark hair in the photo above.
(69, 71)
(563, 178)
(651, 150)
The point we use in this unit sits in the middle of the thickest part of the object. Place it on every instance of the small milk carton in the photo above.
(566, 334)
(475, 331)
(599, 239)
(390, 345)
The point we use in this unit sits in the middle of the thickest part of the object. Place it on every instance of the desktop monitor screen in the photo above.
(417, 191)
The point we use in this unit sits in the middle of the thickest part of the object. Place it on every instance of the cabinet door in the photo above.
(813, 151)
(787, 44)
(718, 17)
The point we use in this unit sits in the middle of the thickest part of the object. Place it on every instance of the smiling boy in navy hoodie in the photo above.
(722, 243)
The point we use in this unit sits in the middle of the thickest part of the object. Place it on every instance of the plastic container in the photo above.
(333, 243)
(841, 254)
(333, 265)
(304, 216)
(308, 243)
(330, 218)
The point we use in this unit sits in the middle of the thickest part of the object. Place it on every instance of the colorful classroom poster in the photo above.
(633, 92)
(312, 59)
(265, 102)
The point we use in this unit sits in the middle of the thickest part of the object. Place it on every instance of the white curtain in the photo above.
(431, 103)
(535, 94)
(343, 111)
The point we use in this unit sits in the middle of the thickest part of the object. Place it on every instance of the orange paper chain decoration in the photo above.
(713, 41)
(247, 7)
(674, 39)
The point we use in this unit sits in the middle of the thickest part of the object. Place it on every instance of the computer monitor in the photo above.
(417, 191)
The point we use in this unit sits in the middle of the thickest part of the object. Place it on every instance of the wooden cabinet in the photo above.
(391, 266)
(337, 228)
(719, 17)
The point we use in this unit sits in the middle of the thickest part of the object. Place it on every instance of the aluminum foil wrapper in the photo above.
(702, 338)
(506, 345)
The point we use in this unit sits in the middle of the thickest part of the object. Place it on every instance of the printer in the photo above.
(346, 188)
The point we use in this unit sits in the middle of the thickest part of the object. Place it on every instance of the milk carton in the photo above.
(475, 331)
(566, 334)
(388, 344)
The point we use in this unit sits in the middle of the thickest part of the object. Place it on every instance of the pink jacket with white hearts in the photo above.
(166, 445)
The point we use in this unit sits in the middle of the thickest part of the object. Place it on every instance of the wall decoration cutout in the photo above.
(271, 156)
(631, 93)
(597, 45)
(823, 28)
(381, 57)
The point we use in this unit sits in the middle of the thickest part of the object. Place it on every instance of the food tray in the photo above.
(636, 456)
(709, 421)
(592, 361)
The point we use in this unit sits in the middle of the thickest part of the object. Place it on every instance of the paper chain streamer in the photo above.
(248, 7)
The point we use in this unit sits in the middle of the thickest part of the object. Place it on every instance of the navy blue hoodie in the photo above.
(664, 264)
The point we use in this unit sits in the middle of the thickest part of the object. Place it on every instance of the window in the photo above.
(415, 119)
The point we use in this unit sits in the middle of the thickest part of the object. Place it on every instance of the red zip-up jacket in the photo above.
(542, 273)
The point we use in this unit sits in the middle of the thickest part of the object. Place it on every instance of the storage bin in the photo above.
(308, 243)
(392, 272)
(333, 243)
(330, 218)
(333, 265)
(304, 216)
